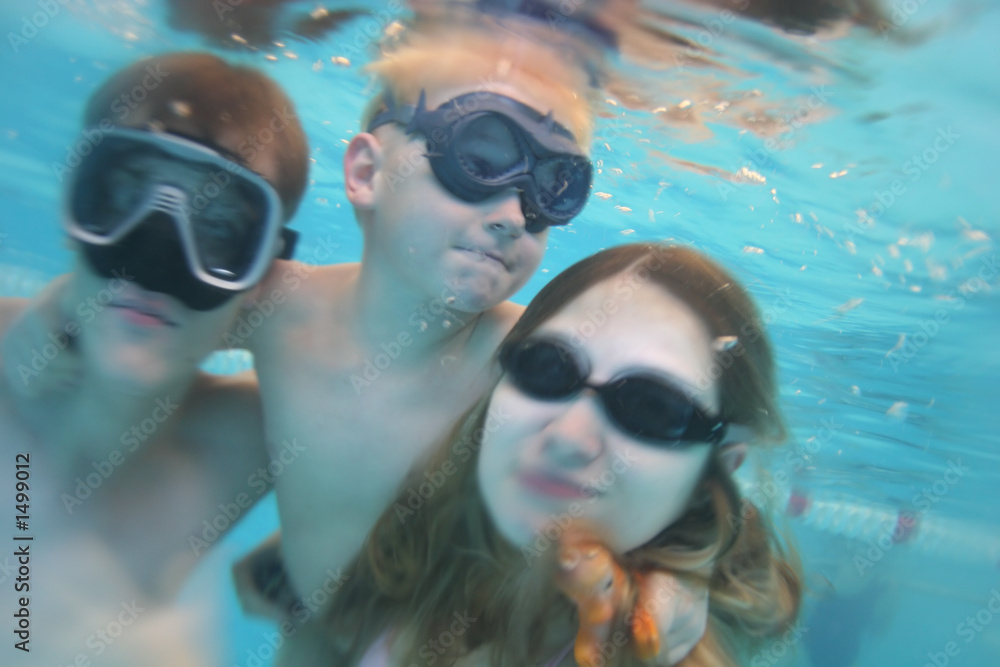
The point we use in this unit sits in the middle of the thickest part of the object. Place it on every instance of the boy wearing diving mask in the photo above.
(174, 222)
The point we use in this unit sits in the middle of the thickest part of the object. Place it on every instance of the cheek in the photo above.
(654, 494)
(532, 251)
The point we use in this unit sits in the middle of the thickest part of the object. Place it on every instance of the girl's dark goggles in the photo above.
(480, 144)
(642, 406)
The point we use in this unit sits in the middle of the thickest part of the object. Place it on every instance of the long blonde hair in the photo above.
(422, 565)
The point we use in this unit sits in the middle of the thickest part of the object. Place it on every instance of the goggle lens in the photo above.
(488, 149)
(642, 407)
(228, 231)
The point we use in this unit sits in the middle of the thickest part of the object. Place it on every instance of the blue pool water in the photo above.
(847, 181)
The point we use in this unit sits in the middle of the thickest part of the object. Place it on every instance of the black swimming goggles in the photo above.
(642, 406)
(483, 143)
(227, 219)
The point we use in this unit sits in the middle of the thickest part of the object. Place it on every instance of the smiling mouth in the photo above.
(554, 487)
(483, 255)
(145, 311)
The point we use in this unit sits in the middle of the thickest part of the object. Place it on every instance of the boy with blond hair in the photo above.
(474, 148)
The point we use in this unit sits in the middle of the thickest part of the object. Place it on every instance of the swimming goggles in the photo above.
(483, 143)
(226, 218)
(642, 406)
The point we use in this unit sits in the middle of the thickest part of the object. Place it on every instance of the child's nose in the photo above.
(504, 214)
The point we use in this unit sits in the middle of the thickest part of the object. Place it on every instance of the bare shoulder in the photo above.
(290, 297)
(497, 323)
(10, 309)
(214, 400)
(297, 282)
(223, 419)
(294, 292)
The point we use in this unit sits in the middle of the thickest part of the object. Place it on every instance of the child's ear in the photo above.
(732, 456)
(361, 165)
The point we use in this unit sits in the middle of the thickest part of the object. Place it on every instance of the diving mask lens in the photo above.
(227, 218)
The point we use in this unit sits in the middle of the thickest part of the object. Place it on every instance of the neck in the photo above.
(388, 311)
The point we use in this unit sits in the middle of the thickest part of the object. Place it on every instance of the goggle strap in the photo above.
(289, 239)
(549, 122)
(393, 113)
(418, 111)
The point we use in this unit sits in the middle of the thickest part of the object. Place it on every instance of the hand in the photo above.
(37, 353)
(680, 611)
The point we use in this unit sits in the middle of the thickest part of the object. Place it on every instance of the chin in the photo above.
(133, 367)
(137, 374)
(478, 298)
(516, 525)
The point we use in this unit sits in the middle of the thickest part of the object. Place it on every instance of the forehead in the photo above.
(525, 89)
(518, 68)
(624, 324)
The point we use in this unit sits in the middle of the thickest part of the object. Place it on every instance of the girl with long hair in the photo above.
(631, 390)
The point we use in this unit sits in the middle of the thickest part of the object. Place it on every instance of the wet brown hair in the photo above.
(205, 98)
(421, 566)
